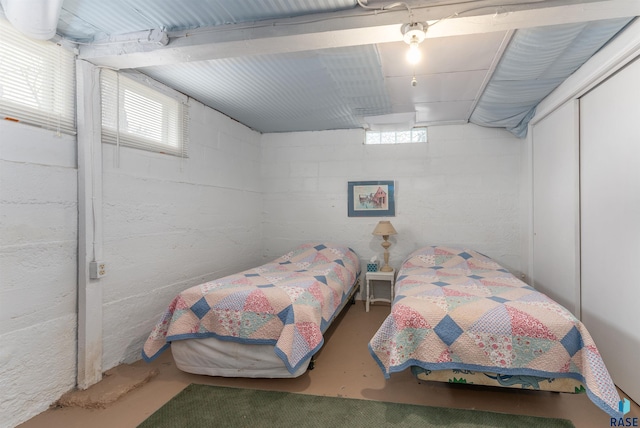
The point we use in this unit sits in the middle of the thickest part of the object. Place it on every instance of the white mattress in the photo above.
(216, 357)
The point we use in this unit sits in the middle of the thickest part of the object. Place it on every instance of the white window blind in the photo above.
(139, 115)
(415, 135)
(37, 81)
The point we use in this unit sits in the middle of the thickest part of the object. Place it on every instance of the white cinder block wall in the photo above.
(239, 199)
(38, 269)
(168, 223)
(171, 223)
(461, 188)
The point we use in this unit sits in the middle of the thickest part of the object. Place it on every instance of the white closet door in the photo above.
(610, 212)
(556, 220)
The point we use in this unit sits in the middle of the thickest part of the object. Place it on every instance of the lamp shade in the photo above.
(383, 228)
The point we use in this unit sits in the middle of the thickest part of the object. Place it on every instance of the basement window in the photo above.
(141, 113)
(37, 82)
(415, 135)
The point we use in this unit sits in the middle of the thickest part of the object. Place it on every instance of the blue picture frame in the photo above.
(371, 199)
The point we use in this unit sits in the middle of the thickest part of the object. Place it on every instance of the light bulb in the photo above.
(414, 55)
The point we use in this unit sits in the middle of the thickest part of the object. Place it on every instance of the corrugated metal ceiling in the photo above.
(334, 64)
(93, 19)
(311, 91)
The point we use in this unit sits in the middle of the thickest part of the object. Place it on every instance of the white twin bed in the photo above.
(457, 316)
(263, 322)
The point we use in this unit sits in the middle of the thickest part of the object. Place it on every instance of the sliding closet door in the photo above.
(556, 268)
(610, 210)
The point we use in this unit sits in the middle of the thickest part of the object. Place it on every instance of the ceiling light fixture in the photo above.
(413, 34)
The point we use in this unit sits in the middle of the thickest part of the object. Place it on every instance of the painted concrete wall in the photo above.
(38, 257)
(461, 188)
(170, 223)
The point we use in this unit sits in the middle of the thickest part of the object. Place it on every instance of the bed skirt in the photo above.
(214, 357)
(469, 377)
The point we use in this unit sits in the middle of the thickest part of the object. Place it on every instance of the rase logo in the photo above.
(624, 406)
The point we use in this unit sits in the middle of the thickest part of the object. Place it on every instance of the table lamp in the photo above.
(384, 229)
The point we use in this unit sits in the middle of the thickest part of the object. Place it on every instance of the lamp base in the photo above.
(386, 244)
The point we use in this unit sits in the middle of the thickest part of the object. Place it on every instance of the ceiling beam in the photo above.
(347, 28)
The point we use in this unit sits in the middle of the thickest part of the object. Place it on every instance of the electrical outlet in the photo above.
(97, 269)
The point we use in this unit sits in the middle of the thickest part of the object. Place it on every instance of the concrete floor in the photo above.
(343, 368)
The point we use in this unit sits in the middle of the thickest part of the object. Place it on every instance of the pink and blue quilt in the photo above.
(288, 303)
(458, 309)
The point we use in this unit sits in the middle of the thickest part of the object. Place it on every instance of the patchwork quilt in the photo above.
(288, 303)
(458, 309)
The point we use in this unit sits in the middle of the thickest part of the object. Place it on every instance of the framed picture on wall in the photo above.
(371, 199)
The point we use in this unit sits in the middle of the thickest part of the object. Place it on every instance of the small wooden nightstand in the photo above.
(379, 276)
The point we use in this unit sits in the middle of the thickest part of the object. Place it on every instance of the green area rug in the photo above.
(214, 406)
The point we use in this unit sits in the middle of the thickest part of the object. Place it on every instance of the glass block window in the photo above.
(415, 135)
